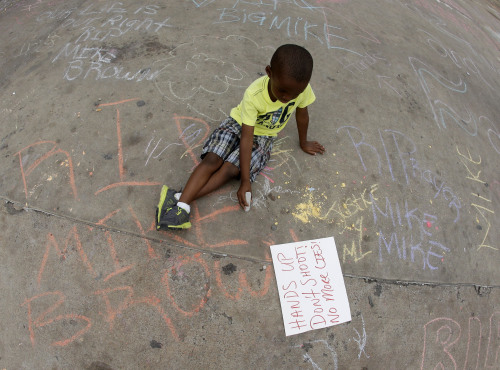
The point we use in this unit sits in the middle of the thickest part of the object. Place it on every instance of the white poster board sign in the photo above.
(311, 285)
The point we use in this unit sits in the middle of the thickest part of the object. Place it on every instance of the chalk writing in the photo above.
(130, 301)
(440, 110)
(96, 62)
(103, 268)
(190, 137)
(191, 132)
(207, 289)
(451, 13)
(202, 3)
(483, 207)
(42, 321)
(405, 162)
(454, 112)
(346, 215)
(356, 64)
(121, 168)
(95, 13)
(361, 339)
(383, 81)
(119, 26)
(184, 79)
(493, 134)
(342, 212)
(442, 337)
(38, 46)
(413, 219)
(101, 24)
(466, 62)
(296, 25)
(26, 171)
(307, 357)
(30, 10)
(356, 252)
(334, 32)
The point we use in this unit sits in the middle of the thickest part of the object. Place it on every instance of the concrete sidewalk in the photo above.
(103, 102)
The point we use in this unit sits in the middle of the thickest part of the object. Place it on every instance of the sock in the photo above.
(177, 196)
(184, 206)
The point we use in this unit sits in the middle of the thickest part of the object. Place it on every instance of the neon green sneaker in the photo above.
(176, 218)
(167, 201)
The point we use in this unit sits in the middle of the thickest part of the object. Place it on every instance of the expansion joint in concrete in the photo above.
(14, 207)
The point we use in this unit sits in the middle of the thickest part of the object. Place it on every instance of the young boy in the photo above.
(241, 145)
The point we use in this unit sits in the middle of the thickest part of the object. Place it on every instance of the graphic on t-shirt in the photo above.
(276, 119)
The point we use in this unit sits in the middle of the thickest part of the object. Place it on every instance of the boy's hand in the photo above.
(244, 187)
(312, 147)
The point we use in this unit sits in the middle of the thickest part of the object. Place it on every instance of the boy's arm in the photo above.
(246, 144)
(311, 147)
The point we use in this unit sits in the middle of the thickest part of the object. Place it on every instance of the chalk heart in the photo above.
(202, 3)
(494, 139)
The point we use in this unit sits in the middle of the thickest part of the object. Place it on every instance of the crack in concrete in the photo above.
(481, 290)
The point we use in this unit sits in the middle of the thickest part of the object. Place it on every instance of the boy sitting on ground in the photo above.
(242, 144)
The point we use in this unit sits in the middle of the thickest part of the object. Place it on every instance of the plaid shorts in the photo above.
(225, 142)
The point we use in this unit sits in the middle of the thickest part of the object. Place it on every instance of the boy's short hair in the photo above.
(293, 60)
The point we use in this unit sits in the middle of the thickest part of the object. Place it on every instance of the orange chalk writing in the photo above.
(208, 290)
(121, 168)
(52, 244)
(54, 150)
(41, 321)
(129, 301)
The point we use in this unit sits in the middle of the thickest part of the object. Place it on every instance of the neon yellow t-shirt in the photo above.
(268, 117)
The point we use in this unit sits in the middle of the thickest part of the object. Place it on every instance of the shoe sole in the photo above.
(185, 225)
(163, 197)
(156, 219)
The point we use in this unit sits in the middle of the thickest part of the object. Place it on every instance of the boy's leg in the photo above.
(178, 217)
(214, 171)
(201, 175)
(226, 172)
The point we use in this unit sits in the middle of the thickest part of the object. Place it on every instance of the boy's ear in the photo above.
(268, 71)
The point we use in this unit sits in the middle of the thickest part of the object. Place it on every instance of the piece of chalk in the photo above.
(248, 198)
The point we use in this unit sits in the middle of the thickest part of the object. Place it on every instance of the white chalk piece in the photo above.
(248, 198)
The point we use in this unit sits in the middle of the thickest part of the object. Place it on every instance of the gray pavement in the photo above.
(102, 102)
